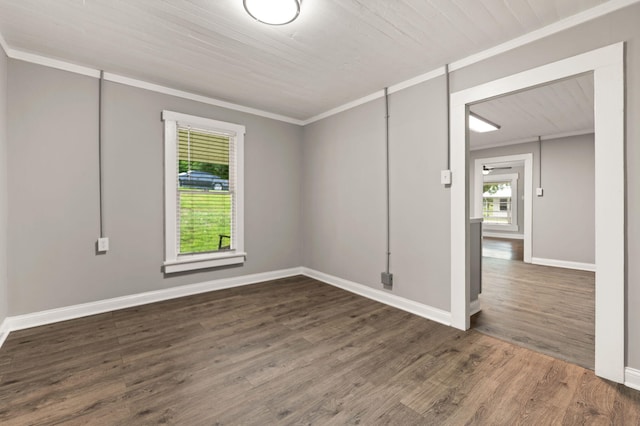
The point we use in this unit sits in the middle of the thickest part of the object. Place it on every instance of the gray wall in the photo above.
(4, 294)
(53, 190)
(360, 133)
(564, 218)
(344, 194)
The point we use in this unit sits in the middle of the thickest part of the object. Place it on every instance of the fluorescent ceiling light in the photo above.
(273, 12)
(481, 125)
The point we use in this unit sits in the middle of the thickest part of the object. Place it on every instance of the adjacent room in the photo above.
(283, 212)
(544, 302)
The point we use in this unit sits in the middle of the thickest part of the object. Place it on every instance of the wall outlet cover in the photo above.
(445, 177)
(539, 192)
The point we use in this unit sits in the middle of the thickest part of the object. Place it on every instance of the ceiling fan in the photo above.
(486, 170)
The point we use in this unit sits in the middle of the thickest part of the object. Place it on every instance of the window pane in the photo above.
(496, 203)
(205, 221)
(205, 201)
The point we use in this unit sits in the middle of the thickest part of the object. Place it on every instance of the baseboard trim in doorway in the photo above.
(632, 378)
(20, 322)
(564, 264)
(416, 308)
(505, 236)
(474, 307)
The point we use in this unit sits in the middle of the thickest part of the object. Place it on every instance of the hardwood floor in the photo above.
(550, 310)
(291, 351)
(503, 248)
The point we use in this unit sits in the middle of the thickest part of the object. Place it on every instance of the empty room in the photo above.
(319, 212)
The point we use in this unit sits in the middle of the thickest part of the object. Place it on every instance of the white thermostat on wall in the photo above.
(445, 177)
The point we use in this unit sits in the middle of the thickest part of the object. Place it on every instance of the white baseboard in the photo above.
(20, 322)
(632, 378)
(420, 309)
(474, 307)
(501, 235)
(564, 264)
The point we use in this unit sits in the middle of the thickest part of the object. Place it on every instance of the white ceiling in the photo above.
(558, 109)
(337, 51)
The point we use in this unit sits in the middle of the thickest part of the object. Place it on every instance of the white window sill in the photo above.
(193, 262)
(496, 227)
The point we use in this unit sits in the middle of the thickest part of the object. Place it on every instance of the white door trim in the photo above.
(607, 65)
(528, 193)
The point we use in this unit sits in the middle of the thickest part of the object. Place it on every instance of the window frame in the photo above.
(174, 261)
(513, 226)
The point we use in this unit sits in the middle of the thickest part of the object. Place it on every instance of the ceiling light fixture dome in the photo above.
(273, 12)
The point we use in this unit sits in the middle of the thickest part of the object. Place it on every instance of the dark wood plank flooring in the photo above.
(550, 310)
(291, 351)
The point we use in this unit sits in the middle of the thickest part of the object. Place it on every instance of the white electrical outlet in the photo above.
(445, 177)
(539, 192)
(103, 244)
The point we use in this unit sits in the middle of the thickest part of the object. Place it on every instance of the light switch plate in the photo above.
(103, 244)
(445, 177)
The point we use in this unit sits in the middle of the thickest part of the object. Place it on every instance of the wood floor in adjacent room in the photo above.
(550, 310)
(291, 351)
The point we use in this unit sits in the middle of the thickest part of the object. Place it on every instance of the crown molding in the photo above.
(53, 63)
(379, 94)
(564, 24)
(558, 26)
(116, 78)
(534, 139)
(345, 107)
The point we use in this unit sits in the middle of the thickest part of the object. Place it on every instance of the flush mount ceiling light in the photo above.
(273, 12)
(481, 125)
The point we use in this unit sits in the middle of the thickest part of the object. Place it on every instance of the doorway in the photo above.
(549, 309)
(607, 67)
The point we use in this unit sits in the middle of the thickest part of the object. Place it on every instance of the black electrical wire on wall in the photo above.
(386, 115)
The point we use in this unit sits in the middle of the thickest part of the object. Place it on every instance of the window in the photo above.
(499, 202)
(203, 193)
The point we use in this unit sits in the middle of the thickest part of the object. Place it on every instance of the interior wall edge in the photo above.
(4, 331)
(4, 45)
